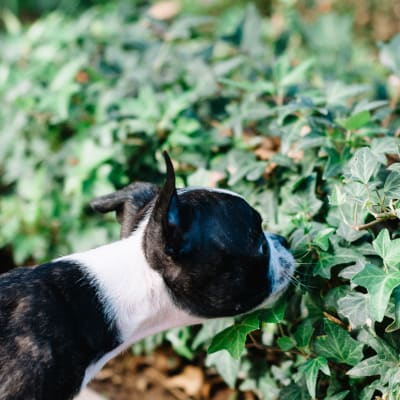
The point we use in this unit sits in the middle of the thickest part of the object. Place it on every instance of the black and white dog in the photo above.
(188, 255)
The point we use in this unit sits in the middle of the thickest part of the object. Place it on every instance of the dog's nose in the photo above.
(282, 241)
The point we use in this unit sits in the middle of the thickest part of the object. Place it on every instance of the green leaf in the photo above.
(382, 243)
(395, 325)
(233, 339)
(179, 338)
(388, 249)
(356, 121)
(304, 333)
(393, 254)
(369, 367)
(209, 329)
(363, 165)
(11, 22)
(390, 55)
(286, 343)
(273, 315)
(294, 392)
(378, 344)
(327, 260)
(338, 396)
(322, 238)
(297, 74)
(380, 285)
(226, 366)
(310, 370)
(355, 307)
(338, 345)
(391, 187)
(67, 73)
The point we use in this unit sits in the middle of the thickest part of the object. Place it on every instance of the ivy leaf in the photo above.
(356, 121)
(273, 315)
(233, 339)
(209, 329)
(355, 307)
(327, 260)
(363, 165)
(395, 325)
(389, 55)
(321, 239)
(286, 343)
(310, 370)
(338, 396)
(391, 188)
(226, 366)
(379, 345)
(382, 242)
(388, 249)
(304, 333)
(338, 345)
(179, 338)
(371, 366)
(294, 392)
(380, 285)
(297, 74)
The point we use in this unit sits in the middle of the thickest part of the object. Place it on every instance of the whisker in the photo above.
(297, 282)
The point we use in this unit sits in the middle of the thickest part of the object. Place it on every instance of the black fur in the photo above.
(52, 327)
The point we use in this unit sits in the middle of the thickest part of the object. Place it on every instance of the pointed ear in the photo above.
(168, 213)
(127, 204)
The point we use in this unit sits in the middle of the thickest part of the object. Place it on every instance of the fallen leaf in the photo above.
(190, 380)
(164, 10)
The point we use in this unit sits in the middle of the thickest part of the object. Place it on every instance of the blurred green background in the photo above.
(379, 19)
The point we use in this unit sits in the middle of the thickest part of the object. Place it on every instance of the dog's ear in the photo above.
(127, 203)
(168, 213)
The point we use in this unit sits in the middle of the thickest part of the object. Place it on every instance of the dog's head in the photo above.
(209, 247)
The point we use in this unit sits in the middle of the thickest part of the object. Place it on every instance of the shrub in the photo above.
(300, 118)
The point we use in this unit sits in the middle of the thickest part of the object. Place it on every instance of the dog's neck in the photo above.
(134, 295)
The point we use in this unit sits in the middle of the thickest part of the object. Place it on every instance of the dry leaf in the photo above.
(190, 380)
(305, 130)
(164, 10)
(215, 177)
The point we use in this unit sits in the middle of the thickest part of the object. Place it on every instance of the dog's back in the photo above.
(46, 336)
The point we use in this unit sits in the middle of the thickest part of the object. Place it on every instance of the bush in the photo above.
(301, 119)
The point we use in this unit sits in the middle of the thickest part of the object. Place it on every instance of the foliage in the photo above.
(296, 116)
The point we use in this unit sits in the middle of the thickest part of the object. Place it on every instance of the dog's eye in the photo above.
(263, 248)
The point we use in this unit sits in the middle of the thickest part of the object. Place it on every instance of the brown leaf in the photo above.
(164, 10)
(305, 130)
(295, 154)
(215, 177)
(190, 380)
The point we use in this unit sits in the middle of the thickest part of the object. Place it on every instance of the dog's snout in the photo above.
(281, 240)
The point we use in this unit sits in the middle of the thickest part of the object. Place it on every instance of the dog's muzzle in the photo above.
(281, 262)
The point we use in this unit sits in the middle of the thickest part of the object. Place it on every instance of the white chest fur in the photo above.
(133, 294)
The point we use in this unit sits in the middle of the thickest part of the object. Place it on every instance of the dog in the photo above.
(187, 255)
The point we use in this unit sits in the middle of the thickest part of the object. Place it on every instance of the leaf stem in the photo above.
(379, 218)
